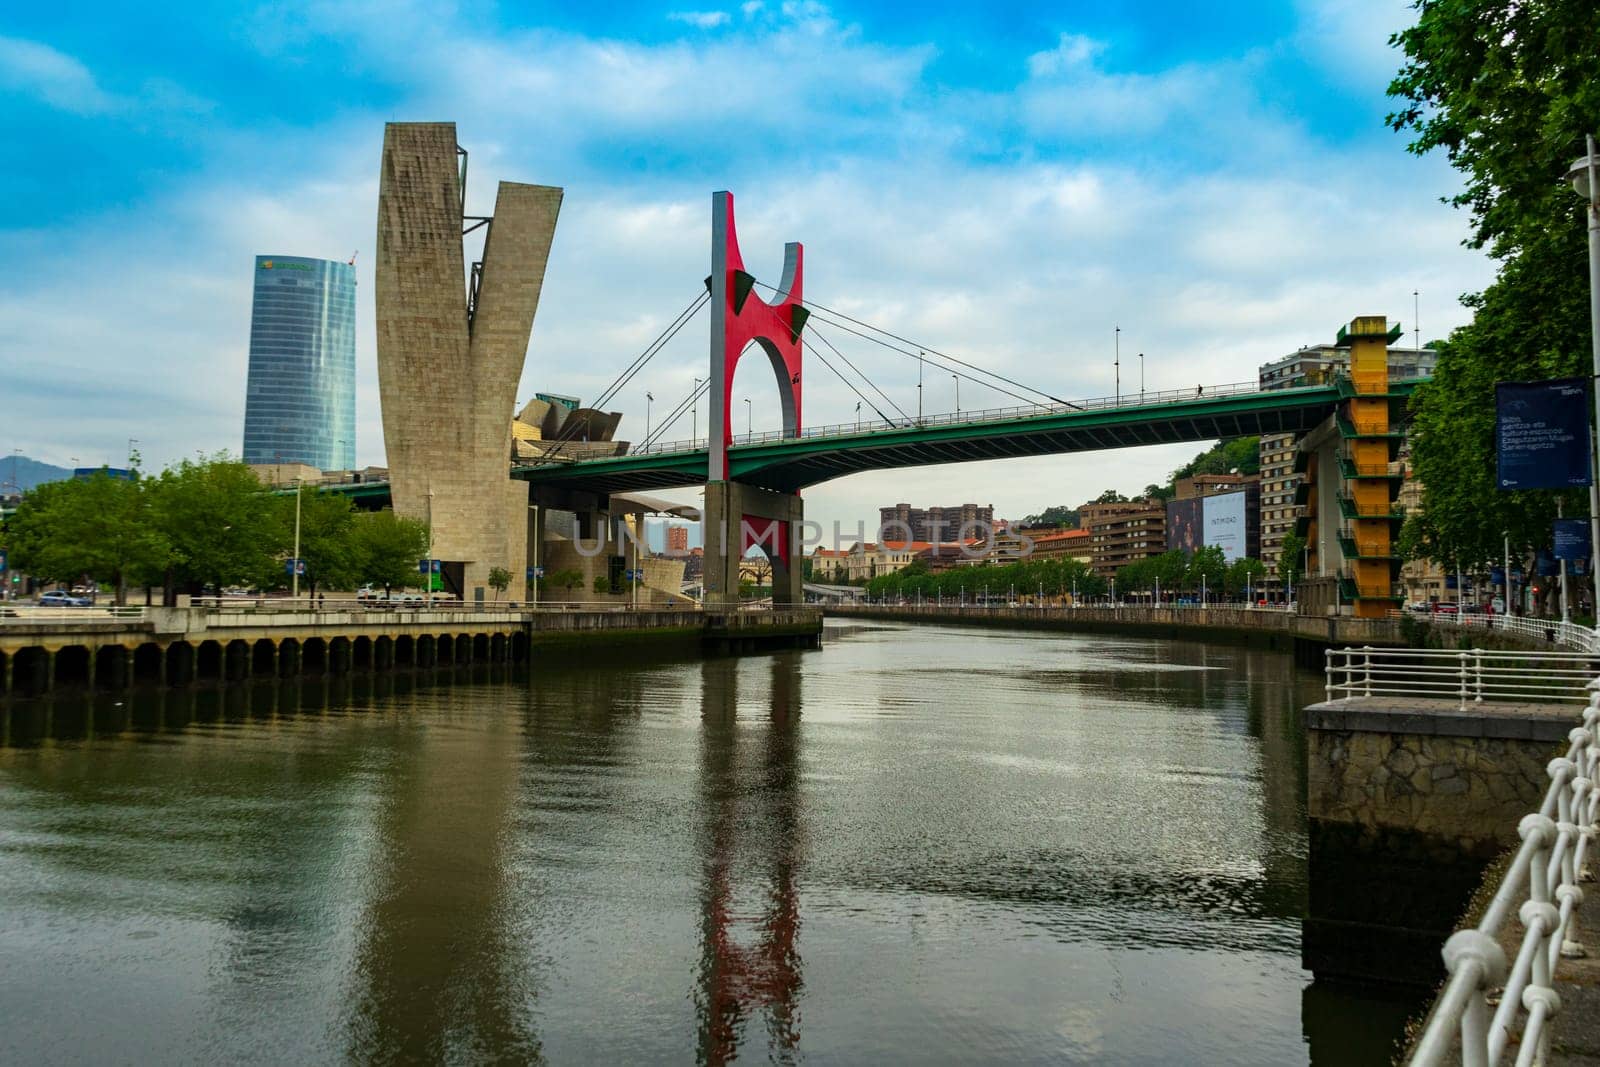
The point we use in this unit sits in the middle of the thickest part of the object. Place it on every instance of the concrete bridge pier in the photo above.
(740, 517)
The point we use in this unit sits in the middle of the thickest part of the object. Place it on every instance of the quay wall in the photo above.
(178, 646)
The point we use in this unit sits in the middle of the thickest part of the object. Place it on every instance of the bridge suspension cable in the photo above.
(889, 399)
(922, 351)
(667, 334)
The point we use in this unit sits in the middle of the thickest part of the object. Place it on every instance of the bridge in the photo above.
(448, 458)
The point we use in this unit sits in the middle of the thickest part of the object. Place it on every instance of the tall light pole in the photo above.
(1585, 178)
(920, 358)
(957, 379)
(294, 564)
(749, 421)
(1141, 375)
(649, 398)
(1116, 360)
(694, 413)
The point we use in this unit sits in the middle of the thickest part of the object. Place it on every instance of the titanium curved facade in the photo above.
(300, 404)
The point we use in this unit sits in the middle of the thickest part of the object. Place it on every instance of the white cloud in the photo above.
(54, 77)
(705, 20)
(1025, 265)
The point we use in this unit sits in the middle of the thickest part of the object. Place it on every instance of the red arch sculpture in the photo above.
(738, 317)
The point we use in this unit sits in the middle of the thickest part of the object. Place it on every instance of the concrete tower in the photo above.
(451, 348)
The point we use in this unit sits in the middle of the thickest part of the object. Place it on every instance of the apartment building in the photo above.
(1120, 534)
(936, 524)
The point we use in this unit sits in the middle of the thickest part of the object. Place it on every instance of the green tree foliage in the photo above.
(100, 527)
(1110, 496)
(219, 525)
(388, 548)
(1242, 454)
(602, 584)
(1290, 559)
(568, 579)
(1244, 575)
(1026, 577)
(1507, 90)
(328, 544)
(499, 580)
(1059, 516)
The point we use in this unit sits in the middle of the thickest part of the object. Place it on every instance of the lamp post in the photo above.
(649, 398)
(749, 422)
(920, 357)
(1116, 360)
(294, 565)
(1141, 376)
(957, 379)
(694, 414)
(1585, 178)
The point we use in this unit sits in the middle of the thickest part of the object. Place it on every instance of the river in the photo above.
(916, 844)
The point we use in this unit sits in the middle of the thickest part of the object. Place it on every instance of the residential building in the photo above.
(1120, 534)
(300, 400)
(1311, 365)
(935, 524)
(677, 540)
(1061, 544)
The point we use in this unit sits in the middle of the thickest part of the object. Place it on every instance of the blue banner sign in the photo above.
(1449, 581)
(423, 566)
(4, 563)
(1541, 434)
(1497, 576)
(294, 566)
(1572, 539)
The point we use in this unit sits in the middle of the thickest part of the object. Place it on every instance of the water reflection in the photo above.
(749, 843)
(913, 845)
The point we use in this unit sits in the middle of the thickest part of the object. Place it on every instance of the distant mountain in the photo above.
(27, 473)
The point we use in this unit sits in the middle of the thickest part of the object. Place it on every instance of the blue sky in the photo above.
(1008, 184)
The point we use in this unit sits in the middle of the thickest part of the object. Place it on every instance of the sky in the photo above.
(1010, 184)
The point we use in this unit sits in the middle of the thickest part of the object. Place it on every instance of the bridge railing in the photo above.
(20, 614)
(1148, 398)
(1467, 677)
(1541, 888)
(1556, 632)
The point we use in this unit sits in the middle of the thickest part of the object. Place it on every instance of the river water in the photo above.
(916, 844)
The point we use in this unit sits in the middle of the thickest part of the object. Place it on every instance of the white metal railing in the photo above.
(1542, 886)
(1555, 631)
(1470, 676)
(1148, 398)
(413, 602)
(28, 613)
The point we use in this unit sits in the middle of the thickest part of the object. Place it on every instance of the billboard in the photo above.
(1541, 434)
(1571, 539)
(1223, 520)
(1184, 530)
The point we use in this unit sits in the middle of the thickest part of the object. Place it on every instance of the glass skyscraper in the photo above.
(300, 403)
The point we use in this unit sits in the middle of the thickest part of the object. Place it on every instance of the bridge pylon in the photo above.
(738, 517)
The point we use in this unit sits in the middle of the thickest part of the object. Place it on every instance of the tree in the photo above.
(1110, 496)
(328, 545)
(1507, 90)
(602, 585)
(99, 527)
(388, 548)
(1289, 563)
(499, 580)
(1243, 574)
(1059, 515)
(568, 579)
(218, 523)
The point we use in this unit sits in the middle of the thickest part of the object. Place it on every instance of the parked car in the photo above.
(60, 598)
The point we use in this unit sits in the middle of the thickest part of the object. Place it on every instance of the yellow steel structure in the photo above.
(1370, 443)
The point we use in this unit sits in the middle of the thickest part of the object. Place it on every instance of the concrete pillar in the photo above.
(49, 670)
(125, 663)
(89, 670)
(772, 519)
(8, 671)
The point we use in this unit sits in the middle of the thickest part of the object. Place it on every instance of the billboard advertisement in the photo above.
(1541, 434)
(1183, 525)
(1223, 519)
(1572, 539)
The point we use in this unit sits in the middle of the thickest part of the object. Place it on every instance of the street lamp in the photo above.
(749, 423)
(1141, 375)
(920, 357)
(1585, 178)
(694, 414)
(957, 379)
(649, 398)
